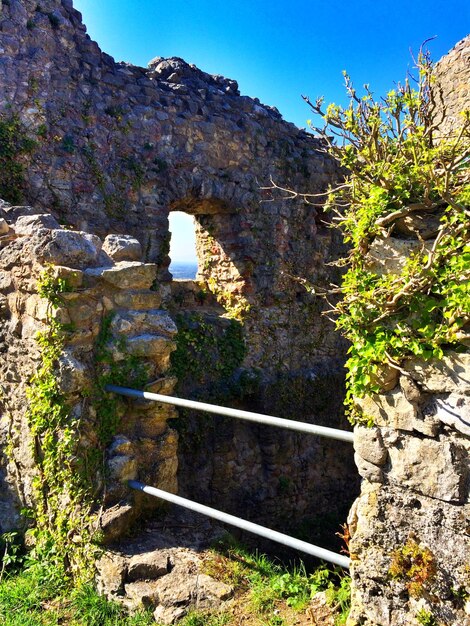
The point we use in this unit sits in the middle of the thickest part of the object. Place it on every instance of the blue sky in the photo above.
(279, 49)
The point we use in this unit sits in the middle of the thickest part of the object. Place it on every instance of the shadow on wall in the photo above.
(251, 338)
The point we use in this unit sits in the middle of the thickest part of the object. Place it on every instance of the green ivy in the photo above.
(130, 372)
(15, 144)
(400, 164)
(202, 347)
(62, 521)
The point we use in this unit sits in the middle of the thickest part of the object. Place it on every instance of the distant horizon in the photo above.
(183, 269)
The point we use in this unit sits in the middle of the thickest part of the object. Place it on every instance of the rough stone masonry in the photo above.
(113, 148)
(105, 281)
(410, 527)
(116, 148)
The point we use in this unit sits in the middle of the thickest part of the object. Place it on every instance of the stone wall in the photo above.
(116, 148)
(223, 462)
(121, 146)
(107, 147)
(415, 498)
(410, 539)
(453, 78)
(110, 303)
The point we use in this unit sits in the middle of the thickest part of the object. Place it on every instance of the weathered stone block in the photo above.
(386, 377)
(126, 274)
(158, 322)
(29, 224)
(122, 468)
(429, 467)
(454, 411)
(369, 445)
(116, 520)
(390, 409)
(450, 374)
(169, 614)
(409, 389)
(389, 255)
(122, 248)
(70, 248)
(72, 277)
(146, 346)
(381, 521)
(142, 593)
(41, 309)
(73, 375)
(367, 470)
(111, 571)
(137, 300)
(149, 565)
(80, 312)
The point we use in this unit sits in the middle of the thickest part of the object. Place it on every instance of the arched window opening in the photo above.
(182, 246)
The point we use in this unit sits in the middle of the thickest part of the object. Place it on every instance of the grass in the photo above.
(273, 591)
(266, 594)
(205, 619)
(33, 597)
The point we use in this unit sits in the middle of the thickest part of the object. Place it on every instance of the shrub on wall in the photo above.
(402, 173)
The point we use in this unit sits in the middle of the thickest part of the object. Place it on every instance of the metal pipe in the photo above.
(258, 418)
(256, 529)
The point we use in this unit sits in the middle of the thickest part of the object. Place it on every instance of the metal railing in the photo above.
(259, 418)
(256, 529)
(226, 518)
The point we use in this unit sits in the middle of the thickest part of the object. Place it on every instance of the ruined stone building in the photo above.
(106, 151)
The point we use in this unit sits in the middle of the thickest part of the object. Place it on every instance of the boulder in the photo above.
(122, 248)
(74, 249)
(29, 224)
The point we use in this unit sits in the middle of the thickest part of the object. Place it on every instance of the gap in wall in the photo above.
(184, 262)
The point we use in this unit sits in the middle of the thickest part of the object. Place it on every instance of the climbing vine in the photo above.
(15, 144)
(401, 169)
(64, 519)
(236, 306)
(63, 523)
(202, 347)
(130, 372)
